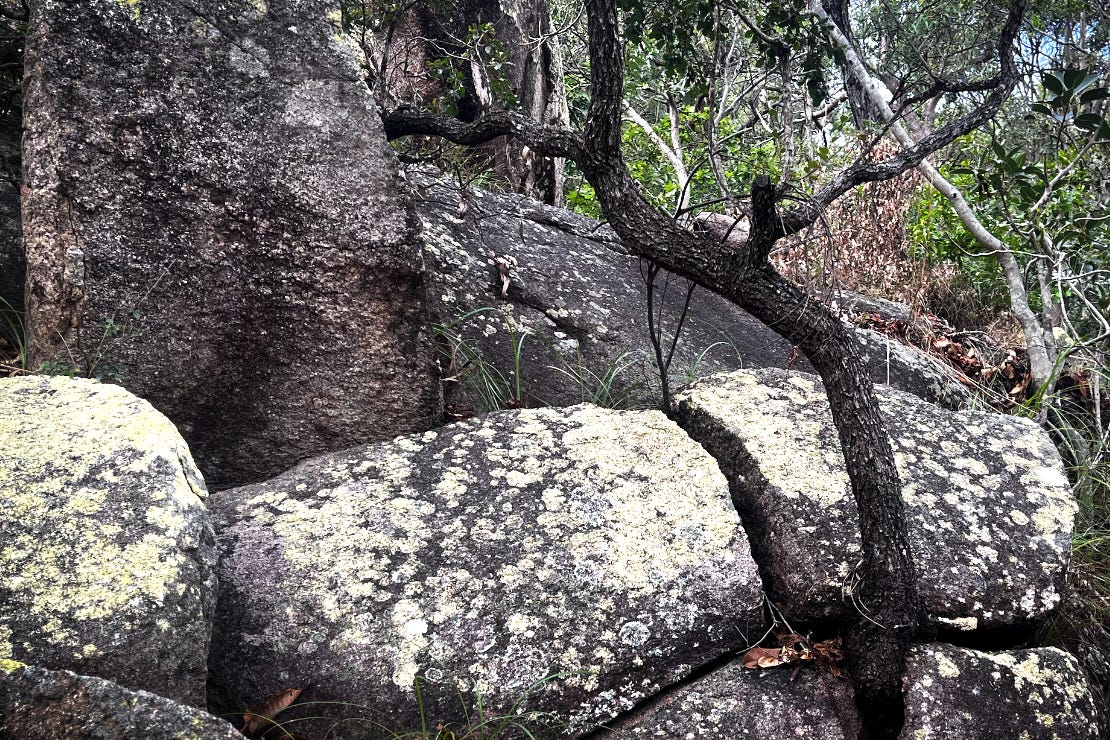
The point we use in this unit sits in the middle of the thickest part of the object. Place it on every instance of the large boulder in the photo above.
(950, 693)
(213, 218)
(506, 266)
(989, 509)
(909, 369)
(37, 704)
(737, 702)
(571, 560)
(108, 557)
(1039, 694)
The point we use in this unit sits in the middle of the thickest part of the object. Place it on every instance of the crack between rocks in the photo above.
(641, 707)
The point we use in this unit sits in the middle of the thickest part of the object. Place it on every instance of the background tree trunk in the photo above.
(524, 29)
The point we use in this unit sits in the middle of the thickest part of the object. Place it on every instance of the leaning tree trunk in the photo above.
(888, 584)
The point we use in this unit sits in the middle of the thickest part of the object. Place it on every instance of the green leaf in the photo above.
(1053, 84)
(1097, 93)
(1088, 121)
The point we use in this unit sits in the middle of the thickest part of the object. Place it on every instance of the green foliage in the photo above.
(934, 234)
(481, 48)
(680, 32)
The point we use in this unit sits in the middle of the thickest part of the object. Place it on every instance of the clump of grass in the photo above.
(477, 723)
(495, 388)
(13, 342)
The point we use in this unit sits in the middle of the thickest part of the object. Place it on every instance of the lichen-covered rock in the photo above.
(593, 548)
(37, 704)
(212, 217)
(1037, 694)
(735, 702)
(107, 556)
(989, 509)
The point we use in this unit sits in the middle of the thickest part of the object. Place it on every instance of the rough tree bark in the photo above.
(524, 28)
(877, 642)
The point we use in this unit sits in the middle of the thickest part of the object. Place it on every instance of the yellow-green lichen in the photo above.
(8, 666)
(954, 477)
(628, 502)
(134, 7)
(83, 469)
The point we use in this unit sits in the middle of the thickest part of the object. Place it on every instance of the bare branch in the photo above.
(545, 140)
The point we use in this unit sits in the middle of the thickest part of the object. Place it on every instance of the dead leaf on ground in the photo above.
(260, 717)
(795, 648)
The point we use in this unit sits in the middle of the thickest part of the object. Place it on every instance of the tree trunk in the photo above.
(524, 29)
(888, 590)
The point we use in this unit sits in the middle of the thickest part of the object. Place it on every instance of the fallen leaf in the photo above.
(260, 717)
(759, 657)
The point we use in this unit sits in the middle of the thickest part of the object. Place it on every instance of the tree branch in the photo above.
(913, 152)
(547, 141)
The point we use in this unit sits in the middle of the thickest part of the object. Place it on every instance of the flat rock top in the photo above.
(1039, 694)
(103, 533)
(595, 545)
(989, 507)
(37, 704)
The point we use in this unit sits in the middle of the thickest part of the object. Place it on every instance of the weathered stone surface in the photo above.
(107, 556)
(1037, 694)
(13, 266)
(573, 286)
(735, 702)
(989, 509)
(213, 217)
(37, 704)
(909, 369)
(595, 547)
(581, 296)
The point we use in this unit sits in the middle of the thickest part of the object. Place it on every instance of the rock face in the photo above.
(906, 368)
(577, 292)
(951, 693)
(592, 548)
(989, 509)
(213, 217)
(37, 704)
(581, 298)
(1036, 694)
(108, 557)
(735, 702)
(13, 268)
